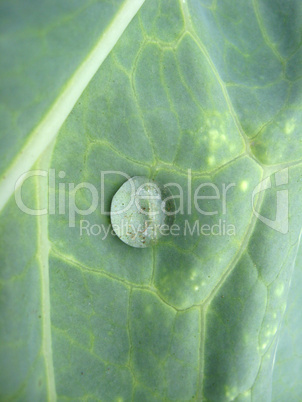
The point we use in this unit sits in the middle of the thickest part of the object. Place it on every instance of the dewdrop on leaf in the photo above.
(141, 212)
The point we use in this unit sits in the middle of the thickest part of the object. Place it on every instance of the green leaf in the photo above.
(289, 353)
(187, 92)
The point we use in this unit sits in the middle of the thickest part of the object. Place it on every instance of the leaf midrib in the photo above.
(43, 248)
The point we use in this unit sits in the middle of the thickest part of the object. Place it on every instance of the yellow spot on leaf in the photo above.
(244, 185)
(193, 276)
(211, 160)
(289, 126)
(231, 392)
(279, 290)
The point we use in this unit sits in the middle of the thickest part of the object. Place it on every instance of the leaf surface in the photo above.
(209, 89)
(289, 353)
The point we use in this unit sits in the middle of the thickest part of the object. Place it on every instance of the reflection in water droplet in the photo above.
(142, 211)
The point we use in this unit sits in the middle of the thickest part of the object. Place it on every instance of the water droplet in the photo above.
(142, 211)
